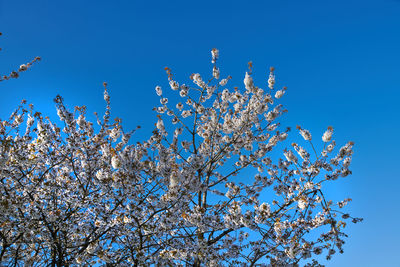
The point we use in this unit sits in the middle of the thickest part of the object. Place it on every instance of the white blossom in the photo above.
(304, 133)
(23, 67)
(215, 55)
(280, 93)
(302, 203)
(271, 79)
(248, 82)
(115, 162)
(327, 136)
(223, 82)
(174, 85)
(216, 73)
(158, 90)
(290, 156)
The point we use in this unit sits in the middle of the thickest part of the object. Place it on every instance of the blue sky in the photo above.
(339, 60)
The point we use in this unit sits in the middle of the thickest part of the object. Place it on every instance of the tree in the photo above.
(193, 194)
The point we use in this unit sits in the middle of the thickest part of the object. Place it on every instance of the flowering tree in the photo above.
(205, 189)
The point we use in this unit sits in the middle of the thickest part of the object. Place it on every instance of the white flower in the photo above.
(127, 219)
(160, 125)
(331, 146)
(91, 248)
(39, 126)
(81, 120)
(235, 208)
(223, 82)
(248, 82)
(266, 161)
(60, 114)
(290, 156)
(18, 119)
(197, 78)
(271, 79)
(183, 93)
(265, 208)
(283, 136)
(106, 96)
(271, 116)
(278, 227)
(174, 85)
(30, 120)
(115, 162)
(186, 113)
(216, 73)
(302, 203)
(173, 179)
(164, 100)
(115, 133)
(327, 135)
(23, 67)
(158, 90)
(301, 151)
(291, 252)
(280, 93)
(100, 175)
(346, 162)
(214, 54)
(305, 133)
(308, 185)
(179, 106)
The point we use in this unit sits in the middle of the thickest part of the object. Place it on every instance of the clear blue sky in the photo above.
(339, 59)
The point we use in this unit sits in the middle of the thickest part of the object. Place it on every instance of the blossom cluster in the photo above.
(15, 73)
(80, 193)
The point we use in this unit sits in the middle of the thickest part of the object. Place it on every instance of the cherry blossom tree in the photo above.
(209, 187)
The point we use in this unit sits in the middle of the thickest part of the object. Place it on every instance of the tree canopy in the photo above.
(205, 189)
